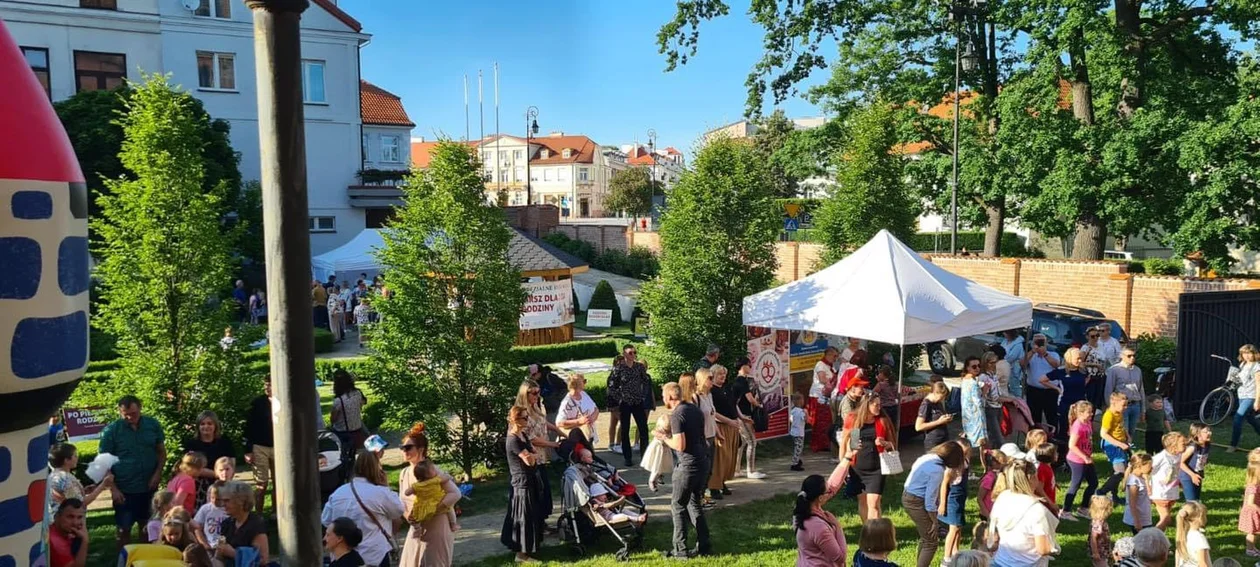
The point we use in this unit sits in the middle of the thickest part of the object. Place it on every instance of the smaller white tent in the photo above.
(350, 259)
(887, 292)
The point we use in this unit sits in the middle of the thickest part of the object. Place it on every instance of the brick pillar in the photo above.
(1126, 298)
(1014, 263)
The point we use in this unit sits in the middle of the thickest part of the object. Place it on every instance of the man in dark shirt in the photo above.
(260, 449)
(139, 443)
(629, 385)
(710, 358)
(686, 426)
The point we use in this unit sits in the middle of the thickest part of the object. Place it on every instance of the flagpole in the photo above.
(496, 121)
(465, 107)
(481, 113)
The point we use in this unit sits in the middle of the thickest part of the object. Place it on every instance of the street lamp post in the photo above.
(531, 128)
(959, 12)
(651, 134)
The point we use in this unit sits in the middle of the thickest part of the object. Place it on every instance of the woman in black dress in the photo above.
(867, 433)
(522, 528)
(211, 442)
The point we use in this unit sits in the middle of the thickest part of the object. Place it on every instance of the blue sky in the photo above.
(590, 66)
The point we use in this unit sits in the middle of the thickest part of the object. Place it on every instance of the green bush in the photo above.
(323, 340)
(564, 352)
(642, 263)
(580, 248)
(604, 298)
(1012, 245)
(101, 344)
(1136, 267)
(1163, 267)
(1152, 351)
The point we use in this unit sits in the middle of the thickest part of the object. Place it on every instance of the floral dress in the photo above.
(1249, 516)
(65, 483)
(973, 411)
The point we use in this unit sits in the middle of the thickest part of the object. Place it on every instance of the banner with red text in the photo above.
(768, 349)
(549, 304)
(86, 423)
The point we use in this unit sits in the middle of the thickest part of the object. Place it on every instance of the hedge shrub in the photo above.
(604, 298)
(564, 352)
(1152, 351)
(1163, 267)
(639, 262)
(1011, 246)
(323, 340)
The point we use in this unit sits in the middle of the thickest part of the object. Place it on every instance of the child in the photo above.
(796, 421)
(877, 540)
(184, 484)
(1249, 516)
(1192, 546)
(225, 469)
(1194, 461)
(162, 503)
(889, 401)
(1100, 508)
(429, 494)
(599, 498)
(1165, 490)
(657, 459)
(1033, 440)
(933, 420)
(206, 524)
(1115, 443)
(1080, 457)
(1157, 423)
(955, 501)
(175, 533)
(1137, 479)
(994, 462)
(1046, 454)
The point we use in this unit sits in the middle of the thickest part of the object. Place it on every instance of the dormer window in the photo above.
(545, 153)
(566, 153)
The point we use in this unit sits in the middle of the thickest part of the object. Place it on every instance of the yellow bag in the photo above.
(136, 552)
(158, 563)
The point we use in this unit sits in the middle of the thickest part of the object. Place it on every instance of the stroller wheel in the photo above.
(623, 555)
(579, 550)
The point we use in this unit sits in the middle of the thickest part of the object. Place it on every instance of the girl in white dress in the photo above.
(658, 459)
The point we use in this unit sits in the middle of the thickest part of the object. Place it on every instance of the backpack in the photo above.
(953, 403)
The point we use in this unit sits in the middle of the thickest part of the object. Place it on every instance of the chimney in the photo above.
(557, 134)
(419, 139)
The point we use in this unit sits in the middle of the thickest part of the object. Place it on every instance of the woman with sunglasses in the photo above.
(431, 542)
(540, 432)
(973, 416)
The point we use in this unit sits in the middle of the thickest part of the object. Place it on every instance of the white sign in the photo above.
(599, 318)
(549, 304)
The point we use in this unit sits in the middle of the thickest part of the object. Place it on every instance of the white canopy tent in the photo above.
(888, 293)
(350, 259)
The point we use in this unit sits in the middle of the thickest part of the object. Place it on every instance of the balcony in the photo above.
(377, 188)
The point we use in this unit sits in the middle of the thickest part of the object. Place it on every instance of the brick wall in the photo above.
(1155, 299)
(649, 240)
(602, 237)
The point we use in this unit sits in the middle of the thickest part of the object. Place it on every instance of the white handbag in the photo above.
(890, 463)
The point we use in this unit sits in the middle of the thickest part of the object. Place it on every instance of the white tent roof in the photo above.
(886, 292)
(356, 256)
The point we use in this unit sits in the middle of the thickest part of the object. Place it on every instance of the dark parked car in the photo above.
(1063, 325)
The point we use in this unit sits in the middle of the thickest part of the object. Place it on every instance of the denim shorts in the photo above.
(1188, 488)
(1115, 455)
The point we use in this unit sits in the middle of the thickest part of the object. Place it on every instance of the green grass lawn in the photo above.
(760, 533)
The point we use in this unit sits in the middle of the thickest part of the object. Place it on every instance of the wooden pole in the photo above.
(286, 237)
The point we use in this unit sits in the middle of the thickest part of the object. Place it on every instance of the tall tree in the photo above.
(443, 343)
(630, 192)
(870, 193)
(717, 242)
(773, 134)
(165, 265)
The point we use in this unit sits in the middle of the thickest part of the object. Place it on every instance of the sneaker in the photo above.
(715, 494)
(1083, 514)
(726, 491)
(1253, 553)
(1067, 516)
(797, 467)
(757, 475)
(738, 473)
(614, 448)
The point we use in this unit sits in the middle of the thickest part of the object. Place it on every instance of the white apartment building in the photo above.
(207, 47)
(666, 165)
(568, 171)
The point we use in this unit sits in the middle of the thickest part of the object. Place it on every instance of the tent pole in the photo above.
(901, 369)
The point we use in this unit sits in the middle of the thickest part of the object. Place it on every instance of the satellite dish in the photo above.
(191, 5)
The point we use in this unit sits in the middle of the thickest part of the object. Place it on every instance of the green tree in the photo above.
(630, 192)
(870, 192)
(165, 265)
(605, 298)
(717, 241)
(773, 134)
(442, 347)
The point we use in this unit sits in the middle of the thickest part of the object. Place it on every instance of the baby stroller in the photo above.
(593, 502)
(333, 470)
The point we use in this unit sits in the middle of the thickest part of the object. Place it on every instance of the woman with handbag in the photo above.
(374, 508)
(430, 543)
(869, 438)
(347, 414)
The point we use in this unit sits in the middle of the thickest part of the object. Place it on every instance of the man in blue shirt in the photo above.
(1043, 398)
(1013, 343)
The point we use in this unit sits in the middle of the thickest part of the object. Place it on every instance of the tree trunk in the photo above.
(1091, 238)
(996, 211)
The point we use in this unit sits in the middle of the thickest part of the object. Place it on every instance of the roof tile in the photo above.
(381, 107)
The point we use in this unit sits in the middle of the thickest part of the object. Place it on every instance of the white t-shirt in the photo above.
(1195, 542)
(209, 518)
(572, 409)
(823, 373)
(385, 506)
(1109, 350)
(796, 422)
(1164, 483)
(1018, 519)
(1140, 506)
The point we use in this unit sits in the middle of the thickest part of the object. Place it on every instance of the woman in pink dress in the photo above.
(431, 543)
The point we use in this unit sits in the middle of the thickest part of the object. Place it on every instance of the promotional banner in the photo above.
(549, 304)
(768, 349)
(86, 423)
(807, 348)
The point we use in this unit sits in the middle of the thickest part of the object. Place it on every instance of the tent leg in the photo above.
(901, 370)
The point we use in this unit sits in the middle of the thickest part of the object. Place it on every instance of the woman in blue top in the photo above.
(973, 418)
(922, 495)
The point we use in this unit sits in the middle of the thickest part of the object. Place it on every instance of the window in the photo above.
(518, 154)
(389, 149)
(322, 224)
(99, 71)
(562, 174)
(489, 175)
(584, 174)
(503, 156)
(37, 58)
(566, 153)
(503, 175)
(533, 175)
(216, 70)
(99, 4)
(518, 174)
(547, 174)
(214, 9)
(313, 81)
(485, 156)
(365, 147)
(546, 153)
(379, 218)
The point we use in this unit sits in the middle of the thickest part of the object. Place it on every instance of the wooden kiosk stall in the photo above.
(547, 275)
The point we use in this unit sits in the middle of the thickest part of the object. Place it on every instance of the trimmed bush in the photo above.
(640, 262)
(1152, 351)
(323, 340)
(564, 352)
(1163, 267)
(604, 298)
(1012, 246)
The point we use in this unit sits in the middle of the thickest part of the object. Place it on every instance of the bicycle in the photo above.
(1219, 403)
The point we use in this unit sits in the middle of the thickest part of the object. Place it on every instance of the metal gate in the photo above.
(1208, 323)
